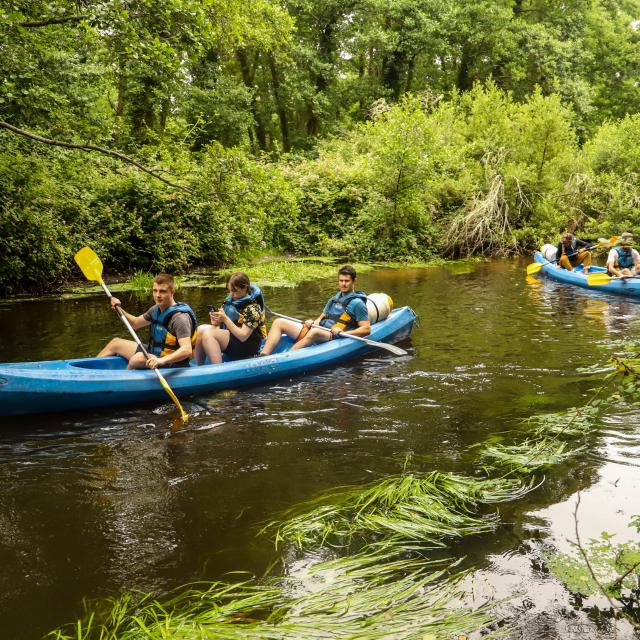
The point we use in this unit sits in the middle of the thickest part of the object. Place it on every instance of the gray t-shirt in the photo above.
(179, 323)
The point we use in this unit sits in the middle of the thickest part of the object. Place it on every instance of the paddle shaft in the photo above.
(127, 324)
(374, 343)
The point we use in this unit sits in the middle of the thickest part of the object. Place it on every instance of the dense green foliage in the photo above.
(359, 128)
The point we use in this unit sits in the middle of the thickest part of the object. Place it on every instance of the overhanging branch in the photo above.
(45, 23)
(91, 147)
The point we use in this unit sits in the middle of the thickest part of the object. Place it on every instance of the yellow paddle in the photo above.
(534, 267)
(599, 279)
(91, 267)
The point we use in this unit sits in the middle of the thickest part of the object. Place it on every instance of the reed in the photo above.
(140, 281)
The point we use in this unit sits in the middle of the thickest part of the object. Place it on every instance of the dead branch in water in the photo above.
(484, 229)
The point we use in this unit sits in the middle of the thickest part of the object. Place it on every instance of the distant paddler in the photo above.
(571, 252)
(623, 260)
(173, 331)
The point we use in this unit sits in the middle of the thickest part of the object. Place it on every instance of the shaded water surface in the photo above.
(95, 503)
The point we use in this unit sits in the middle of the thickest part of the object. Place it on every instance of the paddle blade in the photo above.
(390, 347)
(598, 279)
(534, 267)
(183, 415)
(89, 264)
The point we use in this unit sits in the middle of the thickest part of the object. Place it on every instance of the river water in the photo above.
(99, 502)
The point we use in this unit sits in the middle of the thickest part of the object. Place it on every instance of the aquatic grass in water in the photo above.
(289, 273)
(570, 424)
(529, 456)
(427, 508)
(367, 596)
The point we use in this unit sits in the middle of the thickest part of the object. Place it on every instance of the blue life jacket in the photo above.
(625, 258)
(337, 313)
(162, 341)
(234, 308)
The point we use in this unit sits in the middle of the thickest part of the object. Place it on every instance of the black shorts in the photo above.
(238, 350)
(172, 365)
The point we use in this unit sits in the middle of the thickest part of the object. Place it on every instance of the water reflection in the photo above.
(97, 502)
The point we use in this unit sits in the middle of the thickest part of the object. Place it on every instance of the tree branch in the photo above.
(91, 147)
(585, 557)
(45, 23)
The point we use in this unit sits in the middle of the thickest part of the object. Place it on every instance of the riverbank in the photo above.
(269, 270)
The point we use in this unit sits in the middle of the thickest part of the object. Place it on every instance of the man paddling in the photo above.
(623, 261)
(571, 252)
(346, 312)
(173, 331)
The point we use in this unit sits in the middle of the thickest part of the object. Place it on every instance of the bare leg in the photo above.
(279, 327)
(119, 347)
(314, 336)
(200, 354)
(210, 343)
(138, 361)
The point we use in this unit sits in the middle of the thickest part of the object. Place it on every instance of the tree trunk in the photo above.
(410, 71)
(282, 114)
(248, 77)
(463, 80)
(393, 72)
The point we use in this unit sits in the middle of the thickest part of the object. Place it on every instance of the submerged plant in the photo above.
(369, 595)
(570, 424)
(426, 508)
(530, 455)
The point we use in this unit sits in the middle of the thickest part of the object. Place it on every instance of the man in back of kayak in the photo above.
(345, 312)
(624, 260)
(173, 331)
(571, 252)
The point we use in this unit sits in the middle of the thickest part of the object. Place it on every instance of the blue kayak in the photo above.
(622, 286)
(65, 385)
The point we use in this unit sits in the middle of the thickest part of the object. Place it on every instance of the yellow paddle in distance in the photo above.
(535, 267)
(91, 267)
(599, 279)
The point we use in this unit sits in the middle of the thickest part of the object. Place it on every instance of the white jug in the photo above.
(379, 306)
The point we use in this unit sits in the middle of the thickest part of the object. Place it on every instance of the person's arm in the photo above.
(636, 259)
(358, 311)
(559, 252)
(137, 322)
(611, 263)
(582, 244)
(363, 330)
(251, 322)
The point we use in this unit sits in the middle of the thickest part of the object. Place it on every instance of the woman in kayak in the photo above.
(238, 328)
(572, 252)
